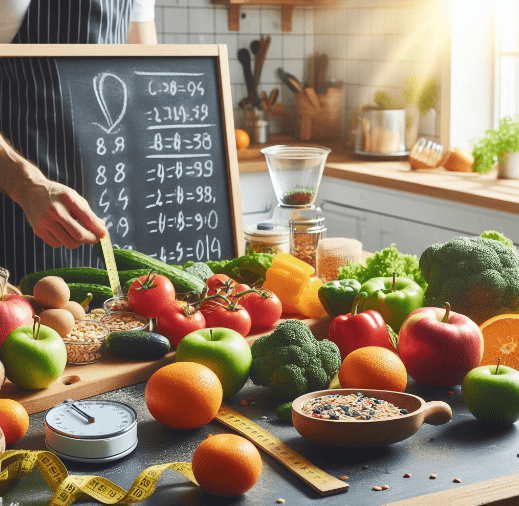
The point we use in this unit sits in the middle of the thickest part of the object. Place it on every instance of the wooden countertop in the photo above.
(468, 188)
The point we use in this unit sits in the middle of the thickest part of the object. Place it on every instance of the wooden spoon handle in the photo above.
(437, 413)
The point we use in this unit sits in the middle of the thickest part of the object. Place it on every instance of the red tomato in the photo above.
(235, 318)
(219, 283)
(264, 308)
(150, 293)
(177, 320)
(239, 288)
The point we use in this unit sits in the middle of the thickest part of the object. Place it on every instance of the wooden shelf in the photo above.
(287, 6)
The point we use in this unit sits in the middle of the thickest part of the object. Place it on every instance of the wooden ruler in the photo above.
(320, 481)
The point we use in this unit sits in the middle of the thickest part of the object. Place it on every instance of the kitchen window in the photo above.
(507, 59)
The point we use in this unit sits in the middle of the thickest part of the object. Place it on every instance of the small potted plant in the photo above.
(419, 97)
(499, 146)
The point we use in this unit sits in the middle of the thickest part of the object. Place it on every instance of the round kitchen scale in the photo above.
(91, 430)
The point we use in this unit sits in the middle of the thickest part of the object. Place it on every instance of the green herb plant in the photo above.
(495, 144)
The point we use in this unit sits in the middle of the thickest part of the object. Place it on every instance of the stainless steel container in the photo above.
(382, 132)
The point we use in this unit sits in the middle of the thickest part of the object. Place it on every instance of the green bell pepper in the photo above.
(394, 298)
(338, 296)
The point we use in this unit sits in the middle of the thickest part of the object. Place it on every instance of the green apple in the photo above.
(33, 357)
(491, 397)
(223, 350)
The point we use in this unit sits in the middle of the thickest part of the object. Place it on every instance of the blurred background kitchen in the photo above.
(371, 45)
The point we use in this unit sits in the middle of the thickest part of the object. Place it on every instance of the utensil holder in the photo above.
(324, 122)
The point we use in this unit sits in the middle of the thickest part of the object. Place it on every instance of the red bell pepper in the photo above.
(357, 330)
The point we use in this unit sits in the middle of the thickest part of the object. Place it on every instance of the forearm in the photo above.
(17, 173)
(142, 32)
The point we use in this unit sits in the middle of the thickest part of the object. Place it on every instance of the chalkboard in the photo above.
(154, 129)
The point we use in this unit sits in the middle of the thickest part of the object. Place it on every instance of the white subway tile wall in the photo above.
(372, 44)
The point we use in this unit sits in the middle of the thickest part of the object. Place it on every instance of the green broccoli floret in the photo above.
(497, 236)
(292, 362)
(478, 276)
(199, 269)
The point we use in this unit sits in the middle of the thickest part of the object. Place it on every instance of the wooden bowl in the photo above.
(369, 433)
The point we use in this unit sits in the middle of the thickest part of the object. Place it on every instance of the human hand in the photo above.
(60, 216)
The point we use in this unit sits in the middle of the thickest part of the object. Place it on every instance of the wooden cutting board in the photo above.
(81, 381)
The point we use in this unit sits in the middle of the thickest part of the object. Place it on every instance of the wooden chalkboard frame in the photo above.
(218, 51)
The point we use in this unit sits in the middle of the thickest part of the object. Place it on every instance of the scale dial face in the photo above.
(111, 419)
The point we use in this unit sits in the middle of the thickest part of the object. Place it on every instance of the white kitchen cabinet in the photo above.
(257, 197)
(379, 216)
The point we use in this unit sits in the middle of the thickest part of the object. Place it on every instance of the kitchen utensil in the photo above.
(382, 133)
(321, 65)
(254, 47)
(272, 97)
(71, 433)
(312, 96)
(291, 81)
(264, 101)
(260, 58)
(244, 58)
(369, 433)
(426, 154)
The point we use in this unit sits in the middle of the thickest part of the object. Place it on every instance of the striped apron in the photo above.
(32, 118)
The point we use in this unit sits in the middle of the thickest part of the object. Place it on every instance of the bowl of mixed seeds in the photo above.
(364, 418)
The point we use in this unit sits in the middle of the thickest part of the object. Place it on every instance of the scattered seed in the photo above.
(378, 489)
(344, 478)
(365, 467)
(432, 477)
(280, 501)
(385, 487)
(208, 435)
(456, 480)
(243, 402)
(252, 402)
(407, 475)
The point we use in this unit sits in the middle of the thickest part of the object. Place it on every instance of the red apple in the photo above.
(439, 347)
(15, 311)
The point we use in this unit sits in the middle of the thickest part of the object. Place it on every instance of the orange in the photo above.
(226, 465)
(242, 139)
(14, 420)
(373, 367)
(183, 395)
(501, 339)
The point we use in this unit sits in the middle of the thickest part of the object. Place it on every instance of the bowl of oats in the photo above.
(364, 418)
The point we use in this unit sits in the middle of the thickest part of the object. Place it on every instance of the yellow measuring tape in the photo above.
(66, 487)
(111, 266)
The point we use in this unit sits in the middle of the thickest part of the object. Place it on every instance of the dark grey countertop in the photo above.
(462, 448)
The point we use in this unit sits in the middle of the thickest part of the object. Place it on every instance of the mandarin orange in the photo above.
(226, 465)
(183, 395)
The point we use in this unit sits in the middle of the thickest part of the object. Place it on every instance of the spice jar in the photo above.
(304, 238)
(266, 237)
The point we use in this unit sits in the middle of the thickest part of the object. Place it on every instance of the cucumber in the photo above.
(127, 285)
(137, 344)
(130, 260)
(69, 274)
(100, 293)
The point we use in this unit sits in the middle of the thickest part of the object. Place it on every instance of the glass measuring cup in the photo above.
(296, 173)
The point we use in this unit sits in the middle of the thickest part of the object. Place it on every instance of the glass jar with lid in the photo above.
(267, 237)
